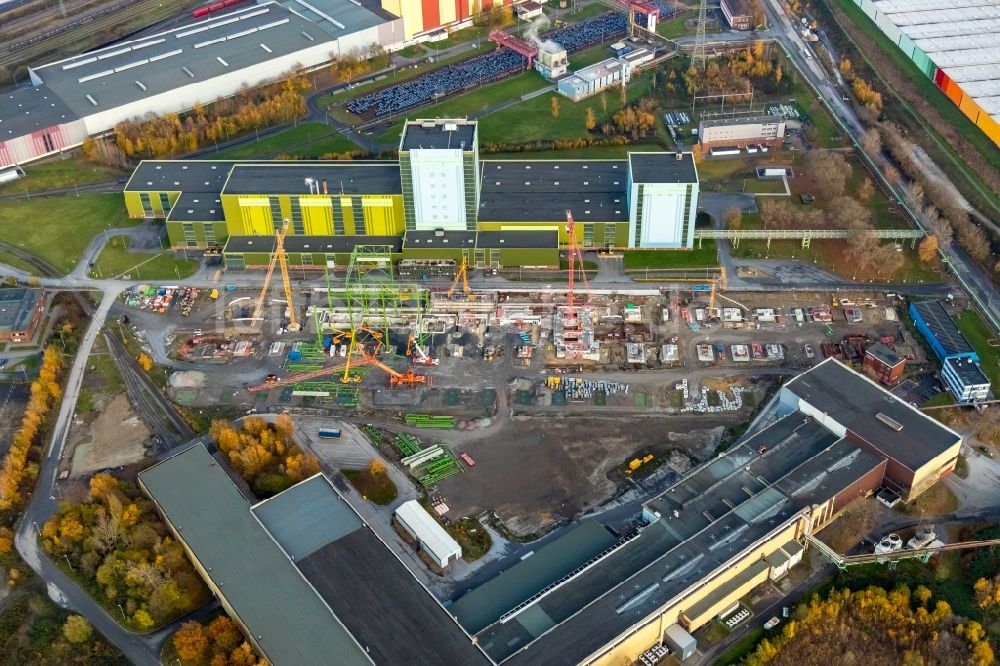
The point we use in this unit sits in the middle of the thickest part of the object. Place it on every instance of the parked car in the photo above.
(809, 351)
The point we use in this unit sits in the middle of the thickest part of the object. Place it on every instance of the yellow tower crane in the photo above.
(718, 282)
(278, 257)
(463, 275)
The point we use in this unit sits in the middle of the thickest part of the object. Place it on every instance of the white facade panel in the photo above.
(821, 417)
(663, 214)
(434, 540)
(183, 98)
(438, 180)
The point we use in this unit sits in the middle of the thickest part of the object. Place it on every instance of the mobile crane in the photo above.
(278, 257)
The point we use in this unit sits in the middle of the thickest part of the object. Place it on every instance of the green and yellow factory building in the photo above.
(433, 206)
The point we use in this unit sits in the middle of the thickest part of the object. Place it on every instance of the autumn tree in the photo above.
(868, 96)
(846, 68)
(866, 190)
(733, 217)
(928, 248)
(830, 171)
(778, 73)
(554, 107)
(145, 362)
(77, 630)
(974, 241)
(872, 141)
(190, 641)
(590, 121)
(376, 467)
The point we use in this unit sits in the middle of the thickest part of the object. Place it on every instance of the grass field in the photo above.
(589, 56)
(674, 27)
(415, 51)
(827, 135)
(472, 537)
(474, 101)
(58, 229)
(979, 334)
(378, 488)
(305, 141)
(16, 262)
(696, 258)
(115, 261)
(532, 120)
(952, 162)
(58, 174)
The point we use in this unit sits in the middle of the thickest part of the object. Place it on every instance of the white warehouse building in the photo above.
(741, 131)
(171, 71)
(428, 533)
(662, 199)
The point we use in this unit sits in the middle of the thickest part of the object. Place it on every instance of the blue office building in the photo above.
(960, 369)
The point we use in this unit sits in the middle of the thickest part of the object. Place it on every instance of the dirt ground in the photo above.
(538, 471)
(115, 437)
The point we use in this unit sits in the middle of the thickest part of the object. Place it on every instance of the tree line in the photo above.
(873, 626)
(45, 393)
(118, 548)
(264, 454)
(177, 134)
(218, 643)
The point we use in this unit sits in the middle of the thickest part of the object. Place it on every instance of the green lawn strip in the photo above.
(978, 333)
(589, 56)
(741, 649)
(305, 141)
(826, 129)
(414, 51)
(58, 174)
(532, 119)
(115, 261)
(58, 229)
(615, 152)
(17, 262)
(948, 110)
(379, 488)
(473, 102)
(696, 258)
(674, 27)
(459, 37)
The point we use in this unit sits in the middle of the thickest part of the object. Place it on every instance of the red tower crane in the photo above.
(574, 254)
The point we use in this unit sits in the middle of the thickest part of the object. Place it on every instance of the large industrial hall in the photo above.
(590, 596)
(438, 186)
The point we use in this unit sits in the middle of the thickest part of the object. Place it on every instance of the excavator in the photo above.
(409, 378)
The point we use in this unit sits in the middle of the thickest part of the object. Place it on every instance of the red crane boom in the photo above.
(529, 51)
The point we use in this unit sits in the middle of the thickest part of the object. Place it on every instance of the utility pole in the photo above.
(698, 55)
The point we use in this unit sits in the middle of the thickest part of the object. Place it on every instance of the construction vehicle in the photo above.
(409, 378)
(278, 257)
(718, 282)
(463, 275)
(421, 356)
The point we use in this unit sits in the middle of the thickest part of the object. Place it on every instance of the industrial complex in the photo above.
(438, 201)
(954, 46)
(589, 597)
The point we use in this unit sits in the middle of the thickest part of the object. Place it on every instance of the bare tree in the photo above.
(829, 170)
(733, 217)
(872, 142)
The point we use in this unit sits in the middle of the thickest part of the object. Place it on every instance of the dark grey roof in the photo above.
(289, 178)
(446, 133)
(518, 239)
(307, 516)
(739, 7)
(726, 122)
(197, 207)
(853, 400)
(968, 371)
(674, 554)
(542, 191)
(384, 607)
(269, 595)
(25, 110)
(179, 176)
(207, 48)
(17, 305)
(663, 168)
(448, 240)
(885, 355)
(943, 327)
(310, 244)
(487, 603)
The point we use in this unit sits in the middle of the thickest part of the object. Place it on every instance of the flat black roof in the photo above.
(457, 134)
(386, 610)
(726, 122)
(856, 402)
(32, 108)
(179, 176)
(543, 190)
(236, 244)
(340, 177)
(885, 355)
(663, 168)
(518, 239)
(968, 371)
(197, 207)
(943, 327)
(447, 240)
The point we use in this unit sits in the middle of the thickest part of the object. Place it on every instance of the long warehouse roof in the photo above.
(136, 69)
(961, 37)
